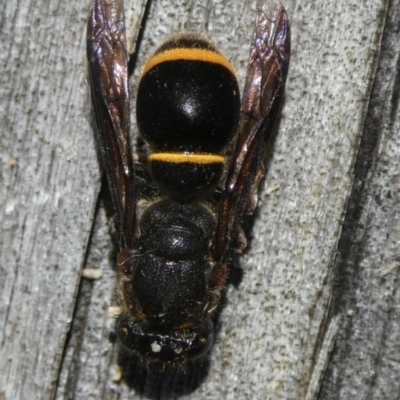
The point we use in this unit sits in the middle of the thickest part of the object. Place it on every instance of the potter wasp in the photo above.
(179, 207)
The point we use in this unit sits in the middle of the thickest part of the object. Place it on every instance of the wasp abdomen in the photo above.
(187, 110)
(184, 174)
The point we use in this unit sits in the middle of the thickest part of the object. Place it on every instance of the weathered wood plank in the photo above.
(49, 186)
(366, 360)
(272, 327)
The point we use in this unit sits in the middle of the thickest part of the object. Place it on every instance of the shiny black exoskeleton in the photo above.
(205, 160)
(188, 111)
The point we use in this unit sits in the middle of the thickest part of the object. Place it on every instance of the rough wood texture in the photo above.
(277, 330)
(365, 363)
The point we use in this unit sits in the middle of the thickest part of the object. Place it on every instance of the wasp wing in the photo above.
(262, 97)
(108, 74)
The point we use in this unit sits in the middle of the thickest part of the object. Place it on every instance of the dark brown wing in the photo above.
(262, 97)
(107, 56)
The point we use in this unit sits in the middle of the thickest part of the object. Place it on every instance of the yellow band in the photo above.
(191, 55)
(187, 158)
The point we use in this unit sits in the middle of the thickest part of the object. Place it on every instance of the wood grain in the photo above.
(332, 179)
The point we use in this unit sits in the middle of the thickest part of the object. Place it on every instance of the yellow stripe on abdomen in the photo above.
(189, 54)
(179, 158)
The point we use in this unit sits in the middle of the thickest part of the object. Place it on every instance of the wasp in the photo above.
(179, 223)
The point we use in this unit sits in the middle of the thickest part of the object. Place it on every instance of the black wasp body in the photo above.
(175, 252)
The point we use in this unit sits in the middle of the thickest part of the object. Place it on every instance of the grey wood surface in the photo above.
(334, 165)
(365, 363)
